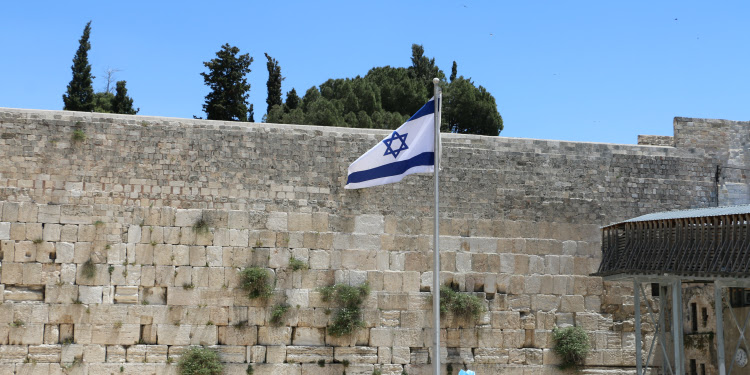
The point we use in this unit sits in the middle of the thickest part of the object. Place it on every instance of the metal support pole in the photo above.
(638, 348)
(719, 307)
(679, 362)
(663, 325)
(436, 237)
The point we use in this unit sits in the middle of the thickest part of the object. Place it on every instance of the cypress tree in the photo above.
(292, 100)
(122, 103)
(229, 88)
(80, 94)
(274, 83)
(454, 71)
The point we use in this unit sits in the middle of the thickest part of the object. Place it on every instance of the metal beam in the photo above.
(638, 348)
(719, 309)
(679, 363)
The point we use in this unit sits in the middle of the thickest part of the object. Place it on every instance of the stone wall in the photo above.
(519, 226)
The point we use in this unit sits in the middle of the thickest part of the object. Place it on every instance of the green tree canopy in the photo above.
(122, 103)
(80, 93)
(386, 97)
(229, 87)
(274, 83)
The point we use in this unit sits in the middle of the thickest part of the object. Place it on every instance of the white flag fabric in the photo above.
(408, 149)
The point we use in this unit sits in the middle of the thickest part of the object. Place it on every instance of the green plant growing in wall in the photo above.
(88, 269)
(296, 264)
(278, 312)
(79, 135)
(200, 360)
(201, 226)
(257, 282)
(463, 305)
(349, 299)
(571, 345)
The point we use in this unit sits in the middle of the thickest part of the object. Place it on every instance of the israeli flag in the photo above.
(409, 149)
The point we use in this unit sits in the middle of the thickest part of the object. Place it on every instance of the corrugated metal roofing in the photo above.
(695, 212)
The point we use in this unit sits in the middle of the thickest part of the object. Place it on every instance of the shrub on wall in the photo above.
(463, 305)
(571, 345)
(256, 281)
(349, 299)
(200, 361)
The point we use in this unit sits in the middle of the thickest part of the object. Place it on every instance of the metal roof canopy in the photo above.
(710, 245)
(705, 244)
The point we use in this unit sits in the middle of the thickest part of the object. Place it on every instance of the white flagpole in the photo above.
(436, 246)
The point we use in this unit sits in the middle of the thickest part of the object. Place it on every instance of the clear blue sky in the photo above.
(600, 71)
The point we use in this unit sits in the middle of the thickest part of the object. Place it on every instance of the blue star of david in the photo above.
(389, 141)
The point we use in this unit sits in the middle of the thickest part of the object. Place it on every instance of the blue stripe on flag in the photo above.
(392, 169)
(426, 109)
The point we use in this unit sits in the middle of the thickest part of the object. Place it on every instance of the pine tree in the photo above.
(80, 93)
(229, 87)
(274, 83)
(122, 103)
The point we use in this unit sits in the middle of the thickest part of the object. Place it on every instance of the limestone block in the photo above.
(256, 353)
(279, 258)
(401, 355)
(28, 212)
(163, 255)
(183, 276)
(170, 334)
(371, 224)
(319, 259)
(231, 354)
(187, 236)
(10, 211)
(299, 222)
(4, 231)
(25, 251)
(164, 276)
(116, 353)
(94, 353)
(239, 237)
(408, 337)
(69, 233)
(86, 233)
(380, 337)
(7, 250)
(148, 275)
(70, 353)
(197, 256)
(180, 296)
(277, 221)
(136, 353)
(214, 256)
(572, 304)
(18, 231)
(298, 298)
(490, 338)
(308, 336)
(64, 293)
(68, 273)
(275, 353)
(308, 354)
(49, 214)
(126, 294)
(156, 353)
(134, 234)
(491, 355)
(22, 333)
(90, 294)
(268, 335)
(45, 252)
(181, 255)
(51, 334)
(101, 275)
(144, 254)
(32, 273)
(233, 335)
(13, 353)
(187, 218)
(385, 357)
(544, 302)
(172, 235)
